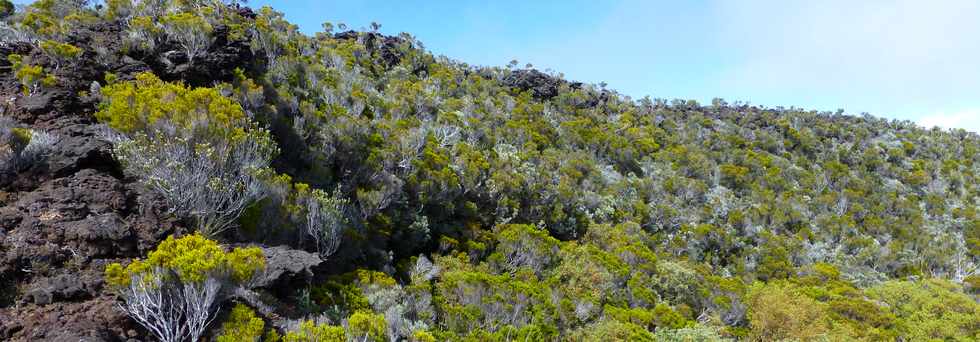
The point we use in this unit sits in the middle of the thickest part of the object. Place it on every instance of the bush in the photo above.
(312, 332)
(779, 311)
(174, 292)
(31, 77)
(60, 52)
(366, 326)
(931, 309)
(195, 147)
(611, 330)
(242, 325)
(190, 30)
(525, 246)
(21, 147)
(695, 334)
(325, 220)
(6, 8)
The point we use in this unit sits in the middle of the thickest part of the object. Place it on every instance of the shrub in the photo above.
(312, 332)
(6, 8)
(190, 30)
(21, 147)
(195, 147)
(174, 291)
(525, 246)
(242, 325)
(60, 52)
(698, 333)
(611, 330)
(779, 311)
(367, 326)
(31, 77)
(325, 220)
(931, 309)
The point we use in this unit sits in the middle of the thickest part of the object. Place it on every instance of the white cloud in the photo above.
(966, 119)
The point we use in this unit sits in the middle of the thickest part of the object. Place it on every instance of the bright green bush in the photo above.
(190, 259)
(194, 146)
(311, 332)
(779, 311)
(930, 309)
(242, 325)
(31, 77)
(367, 326)
(174, 292)
(611, 330)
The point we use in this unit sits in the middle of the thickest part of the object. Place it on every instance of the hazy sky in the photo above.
(907, 59)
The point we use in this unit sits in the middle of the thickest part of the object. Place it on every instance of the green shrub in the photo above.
(175, 290)
(311, 332)
(194, 146)
(931, 309)
(6, 8)
(779, 311)
(242, 325)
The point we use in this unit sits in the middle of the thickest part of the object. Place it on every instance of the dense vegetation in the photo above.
(457, 202)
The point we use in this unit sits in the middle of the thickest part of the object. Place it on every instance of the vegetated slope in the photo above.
(413, 197)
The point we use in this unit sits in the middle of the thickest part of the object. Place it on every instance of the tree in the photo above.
(174, 292)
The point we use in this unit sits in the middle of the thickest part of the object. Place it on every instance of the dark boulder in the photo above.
(286, 265)
(541, 85)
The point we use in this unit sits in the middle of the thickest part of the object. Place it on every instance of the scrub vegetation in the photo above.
(452, 202)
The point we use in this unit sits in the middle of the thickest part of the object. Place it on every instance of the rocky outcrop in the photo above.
(97, 319)
(385, 46)
(67, 215)
(541, 85)
(284, 265)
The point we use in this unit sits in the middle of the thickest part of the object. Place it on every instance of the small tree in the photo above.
(175, 291)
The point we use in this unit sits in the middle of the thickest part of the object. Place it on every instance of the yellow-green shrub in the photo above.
(191, 259)
(931, 309)
(779, 310)
(311, 332)
(242, 325)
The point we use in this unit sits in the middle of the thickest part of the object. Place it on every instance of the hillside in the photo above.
(199, 170)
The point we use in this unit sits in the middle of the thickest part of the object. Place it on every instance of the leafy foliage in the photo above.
(195, 147)
(242, 325)
(20, 147)
(174, 291)
(453, 203)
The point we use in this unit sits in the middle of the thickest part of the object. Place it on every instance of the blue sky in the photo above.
(916, 60)
(907, 59)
